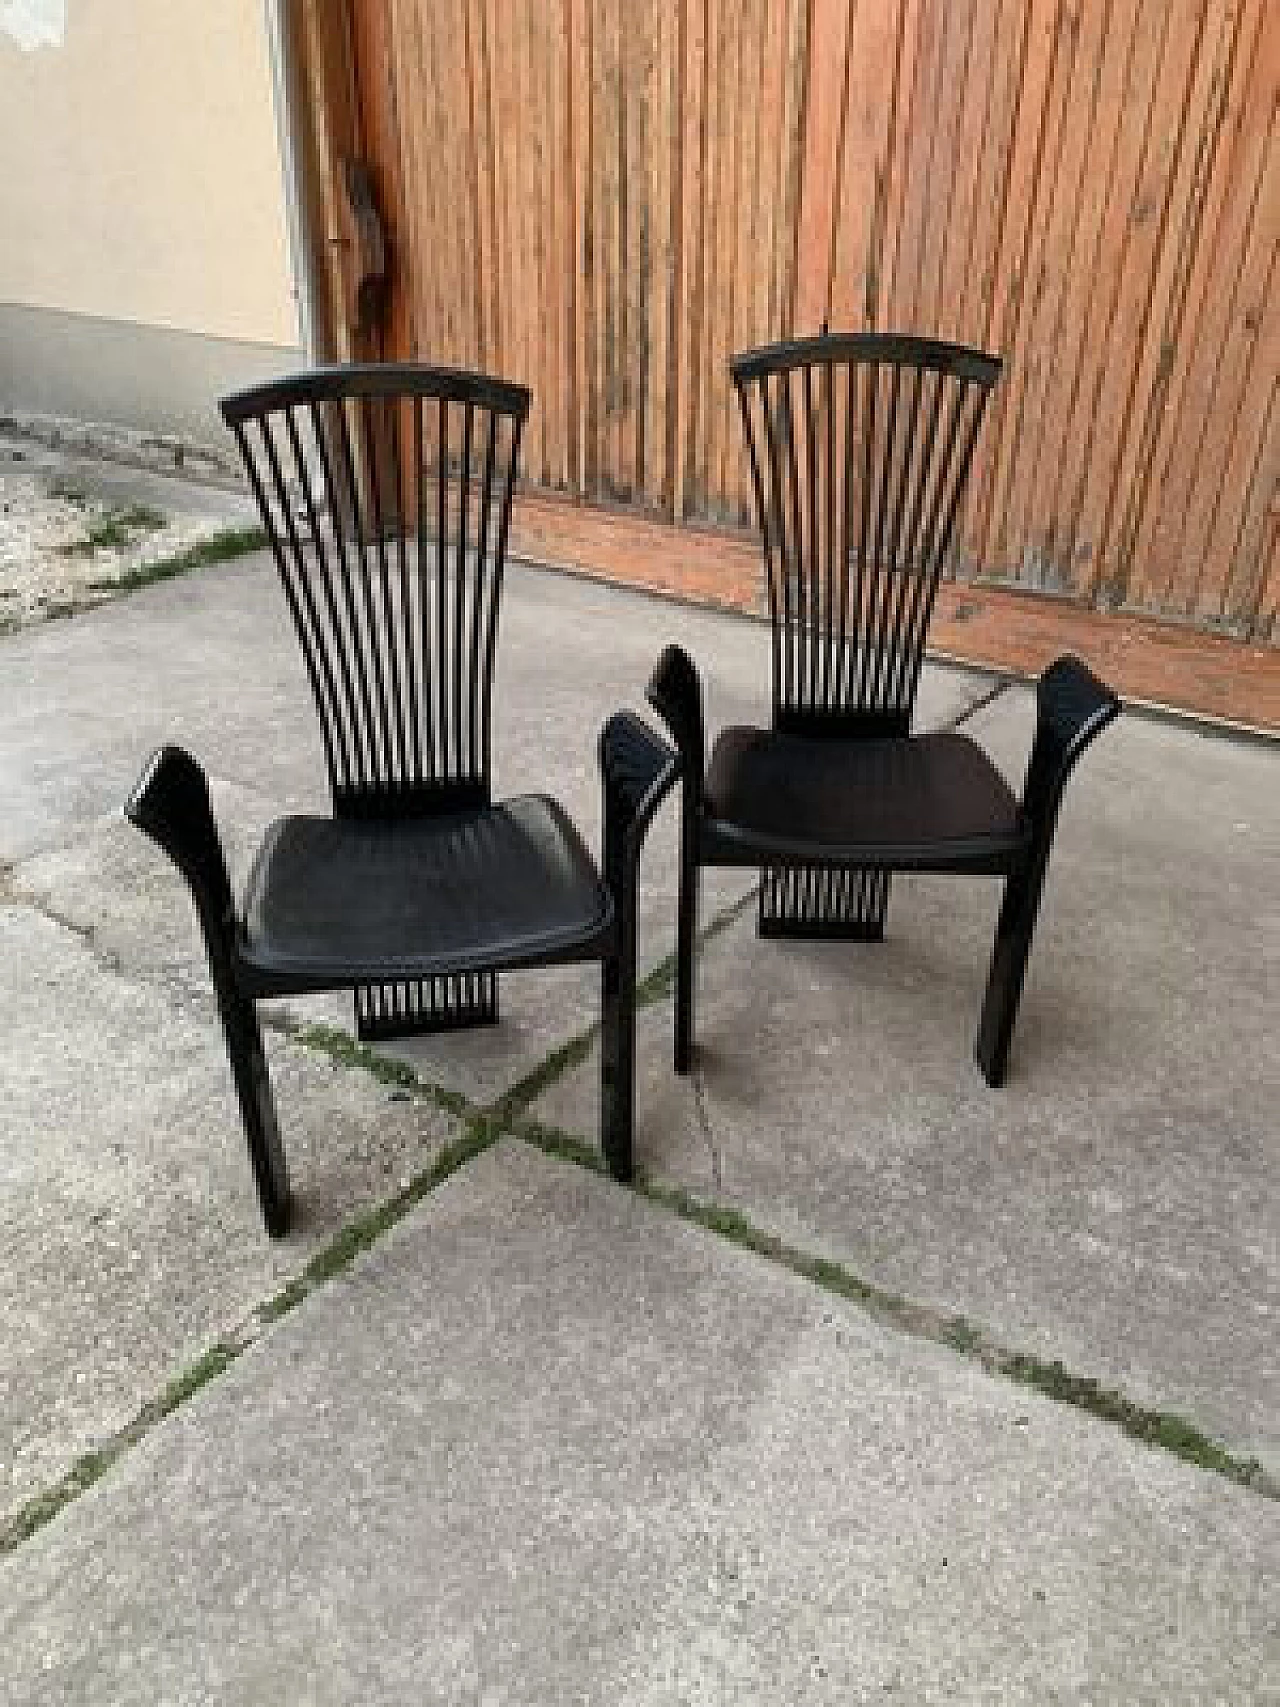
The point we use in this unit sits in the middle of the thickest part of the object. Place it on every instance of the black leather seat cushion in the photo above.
(330, 902)
(923, 802)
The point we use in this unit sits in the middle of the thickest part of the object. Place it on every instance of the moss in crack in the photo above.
(357, 1236)
(1157, 1428)
(365, 1231)
(341, 1047)
(1163, 1429)
(90, 1467)
(559, 1062)
(218, 548)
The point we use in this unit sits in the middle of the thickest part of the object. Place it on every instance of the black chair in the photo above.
(386, 495)
(860, 448)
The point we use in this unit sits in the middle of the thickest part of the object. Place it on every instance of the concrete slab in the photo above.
(1117, 1204)
(128, 1222)
(546, 1443)
(210, 661)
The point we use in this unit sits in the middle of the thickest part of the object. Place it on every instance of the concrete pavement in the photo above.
(547, 1442)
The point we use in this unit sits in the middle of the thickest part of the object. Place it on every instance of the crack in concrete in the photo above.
(984, 699)
(704, 1123)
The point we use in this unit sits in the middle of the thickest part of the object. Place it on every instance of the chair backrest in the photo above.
(860, 448)
(385, 490)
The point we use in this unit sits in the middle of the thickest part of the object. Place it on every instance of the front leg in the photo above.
(171, 805)
(638, 770)
(675, 692)
(1072, 708)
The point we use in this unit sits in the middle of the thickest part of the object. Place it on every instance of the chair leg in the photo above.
(257, 1109)
(686, 962)
(618, 1061)
(1014, 931)
(426, 1005)
(823, 902)
(1072, 709)
(171, 805)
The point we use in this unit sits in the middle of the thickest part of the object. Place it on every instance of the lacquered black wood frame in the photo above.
(860, 447)
(397, 619)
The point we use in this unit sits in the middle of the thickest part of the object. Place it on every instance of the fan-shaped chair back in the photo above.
(386, 494)
(860, 447)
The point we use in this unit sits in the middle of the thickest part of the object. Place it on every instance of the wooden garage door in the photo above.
(604, 198)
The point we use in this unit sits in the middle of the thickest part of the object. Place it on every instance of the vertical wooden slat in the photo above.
(1200, 397)
(871, 76)
(373, 45)
(1105, 362)
(1251, 490)
(583, 263)
(935, 311)
(1005, 548)
(821, 174)
(1011, 236)
(1267, 624)
(691, 294)
(957, 264)
(606, 198)
(1187, 117)
(1049, 354)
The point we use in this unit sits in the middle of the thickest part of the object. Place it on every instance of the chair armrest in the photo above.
(170, 803)
(639, 769)
(675, 693)
(1073, 707)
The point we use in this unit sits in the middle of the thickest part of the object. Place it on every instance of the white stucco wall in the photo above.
(139, 170)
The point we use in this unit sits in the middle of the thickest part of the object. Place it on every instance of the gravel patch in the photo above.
(65, 545)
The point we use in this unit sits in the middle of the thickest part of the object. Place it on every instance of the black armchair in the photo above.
(386, 495)
(860, 447)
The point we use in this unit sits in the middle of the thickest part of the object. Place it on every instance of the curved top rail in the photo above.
(377, 379)
(891, 348)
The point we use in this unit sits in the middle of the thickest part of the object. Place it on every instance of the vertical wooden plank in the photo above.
(959, 218)
(1251, 486)
(770, 146)
(661, 243)
(1005, 553)
(1051, 341)
(904, 124)
(507, 352)
(477, 180)
(604, 147)
(1202, 33)
(637, 58)
(935, 312)
(1207, 375)
(713, 226)
(744, 254)
(1141, 213)
(542, 126)
(909, 311)
(790, 155)
(1248, 353)
(691, 295)
(1266, 624)
(820, 170)
(373, 47)
(999, 135)
(613, 250)
(873, 91)
(1012, 234)
(333, 122)
(1103, 367)
(584, 253)
(725, 255)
